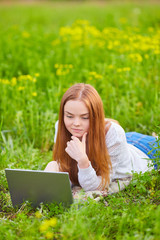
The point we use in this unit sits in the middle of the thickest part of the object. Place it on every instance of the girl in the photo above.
(92, 149)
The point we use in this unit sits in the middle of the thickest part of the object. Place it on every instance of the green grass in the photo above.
(46, 48)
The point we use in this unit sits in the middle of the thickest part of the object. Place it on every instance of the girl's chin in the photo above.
(78, 135)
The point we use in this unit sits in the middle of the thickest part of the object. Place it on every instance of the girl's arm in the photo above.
(120, 157)
(88, 178)
(52, 167)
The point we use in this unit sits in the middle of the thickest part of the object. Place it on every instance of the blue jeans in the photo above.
(143, 142)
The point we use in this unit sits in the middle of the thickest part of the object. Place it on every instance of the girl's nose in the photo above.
(76, 122)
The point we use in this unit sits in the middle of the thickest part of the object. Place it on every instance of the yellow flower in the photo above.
(92, 73)
(126, 69)
(98, 76)
(157, 51)
(13, 81)
(60, 71)
(56, 65)
(146, 56)
(49, 235)
(119, 70)
(150, 29)
(44, 226)
(34, 94)
(53, 221)
(70, 66)
(36, 74)
(136, 57)
(110, 46)
(116, 43)
(29, 77)
(21, 88)
(25, 77)
(5, 81)
(111, 66)
(38, 214)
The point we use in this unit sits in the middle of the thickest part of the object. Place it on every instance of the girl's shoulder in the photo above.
(115, 134)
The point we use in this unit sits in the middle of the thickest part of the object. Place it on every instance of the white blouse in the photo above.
(125, 159)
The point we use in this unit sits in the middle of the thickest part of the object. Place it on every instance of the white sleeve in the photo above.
(88, 178)
(119, 152)
(56, 131)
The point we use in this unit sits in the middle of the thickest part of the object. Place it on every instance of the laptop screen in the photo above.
(39, 186)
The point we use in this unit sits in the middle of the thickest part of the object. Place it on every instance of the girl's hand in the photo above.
(76, 149)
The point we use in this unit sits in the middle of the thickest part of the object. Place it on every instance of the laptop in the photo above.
(39, 186)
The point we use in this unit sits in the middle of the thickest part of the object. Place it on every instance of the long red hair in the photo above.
(95, 145)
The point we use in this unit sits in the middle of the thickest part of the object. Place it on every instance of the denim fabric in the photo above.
(143, 142)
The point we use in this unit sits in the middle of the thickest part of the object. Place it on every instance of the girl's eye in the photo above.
(69, 116)
(85, 117)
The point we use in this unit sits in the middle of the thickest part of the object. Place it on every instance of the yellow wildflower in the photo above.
(21, 88)
(34, 94)
(70, 66)
(36, 74)
(49, 235)
(110, 66)
(65, 31)
(100, 44)
(116, 43)
(98, 76)
(53, 221)
(13, 81)
(150, 29)
(136, 57)
(146, 56)
(92, 73)
(44, 226)
(119, 70)
(126, 69)
(38, 214)
(59, 72)
(110, 46)
(29, 77)
(24, 77)
(156, 51)
(5, 81)
(56, 65)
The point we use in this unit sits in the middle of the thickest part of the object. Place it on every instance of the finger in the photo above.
(74, 138)
(84, 138)
(68, 151)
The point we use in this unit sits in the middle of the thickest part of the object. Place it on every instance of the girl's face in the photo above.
(76, 117)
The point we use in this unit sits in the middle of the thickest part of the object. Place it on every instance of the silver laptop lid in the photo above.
(38, 186)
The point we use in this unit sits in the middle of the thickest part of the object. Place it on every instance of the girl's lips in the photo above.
(76, 130)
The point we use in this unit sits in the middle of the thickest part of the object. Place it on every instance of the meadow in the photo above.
(47, 47)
